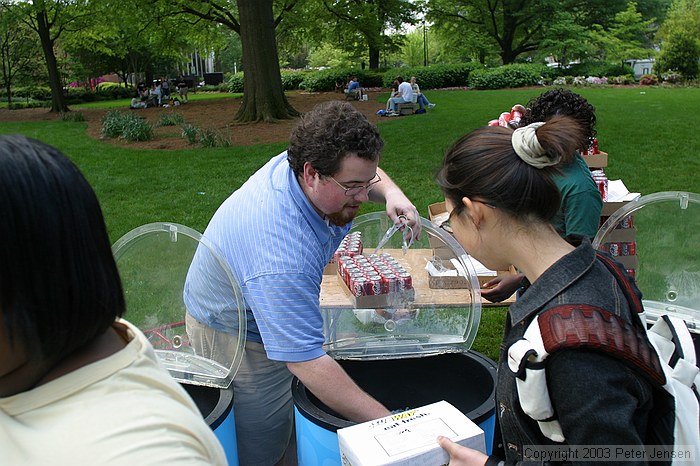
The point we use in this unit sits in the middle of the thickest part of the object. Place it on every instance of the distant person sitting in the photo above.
(354, 91)
(137, 103)
(421, 99)
(405, 95)
(79, 385)
(339, 85)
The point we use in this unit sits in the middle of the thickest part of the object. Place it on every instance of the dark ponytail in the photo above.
(484, 165)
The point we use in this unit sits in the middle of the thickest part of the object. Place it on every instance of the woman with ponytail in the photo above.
(501, 197)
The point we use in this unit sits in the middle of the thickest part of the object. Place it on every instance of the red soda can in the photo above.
(631, 272)
(614, 249)
(348, 272)
(624, 249)
(626, 222)
(595, 146)
(358, 286)
(405, 281)
(375, 282)
(354, 251)
(632, 248)
(388, 283)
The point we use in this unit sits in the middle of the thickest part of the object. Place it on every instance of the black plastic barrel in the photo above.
(216, 406)
(467, 380)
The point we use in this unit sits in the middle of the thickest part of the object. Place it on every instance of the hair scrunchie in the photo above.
(528, 148)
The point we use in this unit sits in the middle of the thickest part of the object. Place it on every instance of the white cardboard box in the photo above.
(409, 438)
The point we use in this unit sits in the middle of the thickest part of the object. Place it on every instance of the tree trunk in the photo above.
(58, 101)
(373, 58)
(263, 94)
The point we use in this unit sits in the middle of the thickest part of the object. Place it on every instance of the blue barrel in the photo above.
(467, 380)
(216, 406)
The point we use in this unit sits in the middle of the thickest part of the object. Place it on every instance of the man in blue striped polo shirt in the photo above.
(278, 232)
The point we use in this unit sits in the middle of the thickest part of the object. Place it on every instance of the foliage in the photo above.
(189, 132)
(292, 80)
(518, 75)
(629, 36)
(324, 80)
(648, 80)
(680, 48)
(75, 117)
(435, 76)
(596, 68)
(126, 125)
(212, 138)
(171, 119)
(359, 26)
(679, 53)
(234, 82)
(329, 55)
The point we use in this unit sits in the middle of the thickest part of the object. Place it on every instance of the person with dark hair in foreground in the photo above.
(78, 384)
(278, 232)
(501, 197)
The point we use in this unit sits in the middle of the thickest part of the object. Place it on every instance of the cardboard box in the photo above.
(408, 438)
(599, 160)
(437, 213)
(441, 282)
(389, 300)
(610, 208)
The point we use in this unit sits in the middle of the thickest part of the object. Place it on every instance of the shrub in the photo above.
(517, 75)
(234, 82)
(435, 76)
(596, 68)
(171, 119)
(211, 138)
(72, 116)
(671, 77)
(324, 80)
(189, 132)
(292, 80)
(116, 124)
(623, 79)
(648, 80)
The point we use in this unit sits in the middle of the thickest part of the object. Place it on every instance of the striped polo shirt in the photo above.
(277, 246)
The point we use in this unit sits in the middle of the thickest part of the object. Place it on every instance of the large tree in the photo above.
(255, 21)
(517, 27)
(370, 20)
(50, 19)
(18, 49)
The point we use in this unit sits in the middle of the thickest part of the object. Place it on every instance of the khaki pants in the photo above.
(262, 398)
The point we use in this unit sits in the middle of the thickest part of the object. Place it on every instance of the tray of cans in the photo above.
(375, 280)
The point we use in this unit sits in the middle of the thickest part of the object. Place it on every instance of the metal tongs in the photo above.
(402, 225)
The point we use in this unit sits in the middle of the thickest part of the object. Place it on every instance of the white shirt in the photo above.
(406, 91)
(122, 410)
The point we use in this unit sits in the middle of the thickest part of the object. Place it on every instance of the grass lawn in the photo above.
(649, 133)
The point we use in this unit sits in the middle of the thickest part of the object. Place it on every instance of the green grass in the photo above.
(649, 133)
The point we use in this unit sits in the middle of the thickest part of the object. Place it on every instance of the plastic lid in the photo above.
(664, 229)
(153, 262)
(434, 319)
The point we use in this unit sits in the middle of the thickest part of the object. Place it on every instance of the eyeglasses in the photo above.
(447, 226)
(355, 190)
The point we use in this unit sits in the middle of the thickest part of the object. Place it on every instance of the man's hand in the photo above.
(462, 456)
(501, 288)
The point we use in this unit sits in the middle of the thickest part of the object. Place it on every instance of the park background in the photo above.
(179, 164)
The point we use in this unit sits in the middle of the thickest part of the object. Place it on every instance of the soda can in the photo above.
(631, 272)
(626, 222)
(389, 283)
(624, 249)
(373, 285)
(358, 286)
(405, 281)
(614, 249)
(349, 271)
(632, 248)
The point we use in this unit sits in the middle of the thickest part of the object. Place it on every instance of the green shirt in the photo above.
(581, 201)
